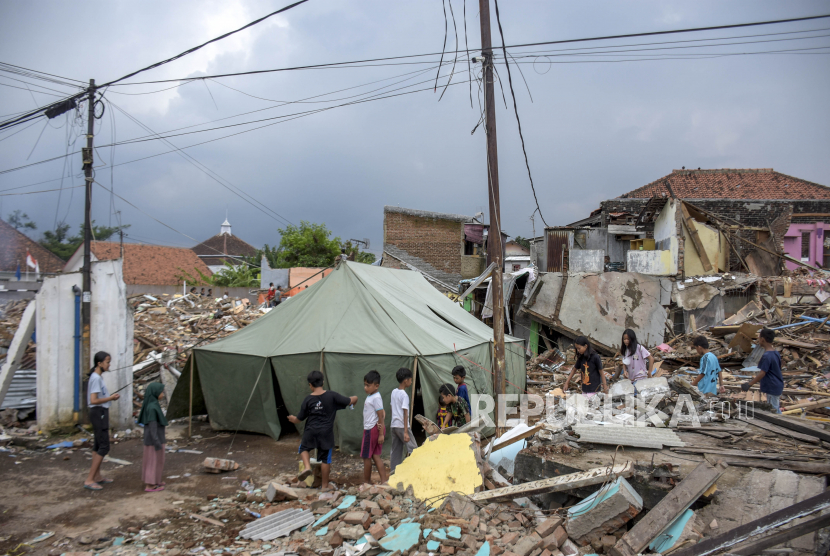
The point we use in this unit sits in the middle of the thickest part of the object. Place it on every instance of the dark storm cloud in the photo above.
(593, 130)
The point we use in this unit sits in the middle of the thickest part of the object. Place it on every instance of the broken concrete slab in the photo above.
(603, 512)
(601, 306)
(403, 538)
(621, 388)
(628, 436)
(675, 534)
(352, 533)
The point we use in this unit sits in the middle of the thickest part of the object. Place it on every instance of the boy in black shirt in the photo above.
(318, 410)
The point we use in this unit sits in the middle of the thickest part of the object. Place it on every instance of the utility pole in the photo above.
(86, 306)
(494, 248)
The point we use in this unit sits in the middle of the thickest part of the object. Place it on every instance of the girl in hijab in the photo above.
(151, 416)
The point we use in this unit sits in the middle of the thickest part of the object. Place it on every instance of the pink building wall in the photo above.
(793, 243)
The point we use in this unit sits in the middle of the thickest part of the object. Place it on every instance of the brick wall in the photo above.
(437, 241)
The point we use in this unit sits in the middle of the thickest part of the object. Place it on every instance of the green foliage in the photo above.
(63, 245)
(306, 245)
(523, 241)
(271, 254)
(234, 276)
(185, 276)
(359, 256)
(19, 220)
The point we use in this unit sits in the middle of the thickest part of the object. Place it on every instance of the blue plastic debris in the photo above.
(427, 532)
(118, 541)
(347, 502)
(432, 546)
(454, 531)
(484, 550)
(64, 444)
(323, 518)
(671, 535)
(440, 534)
(403, 538)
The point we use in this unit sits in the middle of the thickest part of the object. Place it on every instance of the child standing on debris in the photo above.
(402, 440)
(99, 400)
(458, 376)
(318, 410)
(589, 364)
(458, 410)
(708, 379)
(770, 377)
(634, 358)
(373, 428)
(154, 421)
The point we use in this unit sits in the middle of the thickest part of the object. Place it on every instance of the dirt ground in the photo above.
(42, 491)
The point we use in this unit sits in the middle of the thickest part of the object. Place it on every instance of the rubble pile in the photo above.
(10, 315)
(166, 327)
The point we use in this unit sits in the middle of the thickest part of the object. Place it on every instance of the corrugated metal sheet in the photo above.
(22, 393)
(640, 437)
(557, 242)
(277, 525)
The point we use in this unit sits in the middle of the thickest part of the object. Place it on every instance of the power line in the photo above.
(564, 41)
(39, 74)
(210, 173)
(195, 48)
(516, 110)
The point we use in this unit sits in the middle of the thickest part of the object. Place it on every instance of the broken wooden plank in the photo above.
(793, 425)
(804, 528)
(666, 511)
(758, 527)
(816, 468)
(693, 233)
(556, 484)
(769, 427)
(740, 453)
(713, 434)
(799, 407)
(17, 349)
(517, 438)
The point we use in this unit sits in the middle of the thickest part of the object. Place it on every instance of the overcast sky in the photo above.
(597, 126)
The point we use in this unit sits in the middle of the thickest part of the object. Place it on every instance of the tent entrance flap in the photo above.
(179, 404)
(286, 426)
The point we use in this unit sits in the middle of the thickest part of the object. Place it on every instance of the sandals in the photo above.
(94, 486)
(304, 475)
(156, 488)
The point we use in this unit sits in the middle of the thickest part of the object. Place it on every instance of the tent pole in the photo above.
(412, 395)
(322, 362)
(190, 408)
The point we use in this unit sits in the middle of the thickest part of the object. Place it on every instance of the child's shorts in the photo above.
(370, 446)
(323, 456)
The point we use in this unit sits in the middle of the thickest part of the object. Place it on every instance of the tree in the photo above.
(270, 254)
(63, 245)
(359, 256)
(21, 220)
(523, 241)
(306, 245)
(234, 276)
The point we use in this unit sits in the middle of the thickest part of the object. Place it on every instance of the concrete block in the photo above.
(385, 505)
(460, 506)
(376, 512)
(356, 518)
(786, 483)
(527, 545)
(368, 505)
(555, 539)
(352, 533)
(603, 512)
(279, 492)
(548, 526)
(509, 538)
(621, 388)
(447, 549)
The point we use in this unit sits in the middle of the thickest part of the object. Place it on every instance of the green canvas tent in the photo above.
(356, 319)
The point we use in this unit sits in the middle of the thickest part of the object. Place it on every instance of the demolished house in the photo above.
(359, 317)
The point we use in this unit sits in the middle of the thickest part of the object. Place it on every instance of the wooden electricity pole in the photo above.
(494, 247)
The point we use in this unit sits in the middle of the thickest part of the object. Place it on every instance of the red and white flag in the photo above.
(31, 262)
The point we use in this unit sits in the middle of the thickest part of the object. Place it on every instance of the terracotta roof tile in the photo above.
(13, 246)
(223, 244)
(151, 264)
(728, 183)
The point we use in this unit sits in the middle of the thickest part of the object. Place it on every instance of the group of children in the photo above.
(638, 363)
(319, 409)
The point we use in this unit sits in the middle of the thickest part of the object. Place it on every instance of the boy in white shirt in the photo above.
(402, 438)
(373, 428)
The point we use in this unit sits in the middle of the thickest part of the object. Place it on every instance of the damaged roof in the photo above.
(732, 183)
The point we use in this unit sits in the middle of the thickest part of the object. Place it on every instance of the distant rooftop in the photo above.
(428, 214)
(732, 183)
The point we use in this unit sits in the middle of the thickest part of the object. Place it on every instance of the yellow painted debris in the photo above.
(711, 490)
(440, 466)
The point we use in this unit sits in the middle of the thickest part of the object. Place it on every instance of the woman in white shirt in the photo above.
(634, 358)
